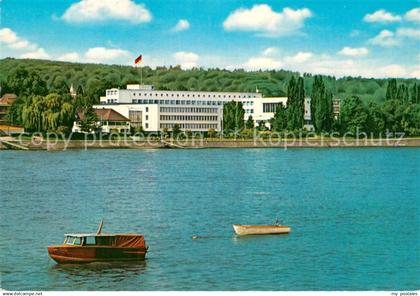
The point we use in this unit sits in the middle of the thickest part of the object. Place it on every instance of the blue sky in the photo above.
(369, 38)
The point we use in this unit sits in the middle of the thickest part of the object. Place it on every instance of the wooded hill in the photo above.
(93, 79)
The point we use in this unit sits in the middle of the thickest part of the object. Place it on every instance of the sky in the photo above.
(369, 38)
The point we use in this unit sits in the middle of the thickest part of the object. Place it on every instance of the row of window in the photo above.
(270, 107)
(188, 117)
(249, 111)
(189, 126)
(177, 102)
(115, 123)
(188, 110)
(188, 95)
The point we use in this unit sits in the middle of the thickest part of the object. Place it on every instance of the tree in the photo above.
(14, 114)
(391, 91)
(261, 126)
(88, 122)
(415, 94)
(279, 121)
(321, 106)
(354, 116)
(47, 113)
(233, 117)
(176, 129)
(376, 119)
(24, 83)
(402, 93)
(295, 103)
(211, 133)
(249, 123)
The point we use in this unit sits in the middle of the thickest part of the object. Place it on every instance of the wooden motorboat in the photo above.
(92, 247)
(260, 229)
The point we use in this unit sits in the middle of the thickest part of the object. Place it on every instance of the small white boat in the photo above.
(260, 229)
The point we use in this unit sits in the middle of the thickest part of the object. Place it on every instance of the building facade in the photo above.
(158, 110)
(6, 102)
(108, 121)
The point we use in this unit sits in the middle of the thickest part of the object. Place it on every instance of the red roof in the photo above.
(106, 115)
(8, 99)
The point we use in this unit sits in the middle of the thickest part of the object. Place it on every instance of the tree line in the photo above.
(399, 113)
(372, 105)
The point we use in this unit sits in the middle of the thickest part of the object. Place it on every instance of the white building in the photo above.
(156, 110)
(108, 121)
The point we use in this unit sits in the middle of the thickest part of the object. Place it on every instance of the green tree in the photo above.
(392, 90)
(88, 120)
(354, 117)
(211, 133)
(176, 129)
(376, 119)
(233, 117)
(47, 113)
(402, 93)
(415, 94)
(24, 83)
(295, 103)
(321, 106)
(279, 121)
(250, 122)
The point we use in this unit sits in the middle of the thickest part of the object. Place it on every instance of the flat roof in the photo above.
(101, 234)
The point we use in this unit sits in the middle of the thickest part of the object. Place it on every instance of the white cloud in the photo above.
(300, 57)
(187, 60)
(266, 22)
(40, 53)
(269, 51)
(413, 15)
(263, 63)
(353, 52)
(181, 26)
(7, 36)
(330, 65)
(11, 40)
(381, 16)
(70, 57)
(102, 54)
(385, 38)
(102, 10)
(393, 70)
(408, 33)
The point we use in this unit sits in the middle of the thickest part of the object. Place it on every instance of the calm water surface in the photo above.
(354, 213)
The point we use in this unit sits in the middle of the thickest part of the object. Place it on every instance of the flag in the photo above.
(138, 60)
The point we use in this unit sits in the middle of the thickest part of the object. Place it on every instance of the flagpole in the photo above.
(136, 62)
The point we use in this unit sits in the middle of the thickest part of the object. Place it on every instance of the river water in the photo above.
(354, 213)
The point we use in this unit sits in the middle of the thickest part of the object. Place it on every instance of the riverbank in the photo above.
(57, 145)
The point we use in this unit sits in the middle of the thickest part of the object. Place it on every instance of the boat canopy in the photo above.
(118, 240)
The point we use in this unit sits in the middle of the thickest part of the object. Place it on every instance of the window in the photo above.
(270, 107)
(147, 117)
(89, 240)
(147, 125)
(73, 240)
(147, 109)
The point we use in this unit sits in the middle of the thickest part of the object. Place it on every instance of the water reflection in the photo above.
(100, 268)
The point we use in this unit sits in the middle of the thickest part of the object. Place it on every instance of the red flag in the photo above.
(138, 60)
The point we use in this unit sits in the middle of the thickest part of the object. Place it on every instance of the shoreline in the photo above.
(63, 145)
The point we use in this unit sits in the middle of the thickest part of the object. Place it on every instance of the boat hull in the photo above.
(87, 254)
(260, 229)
